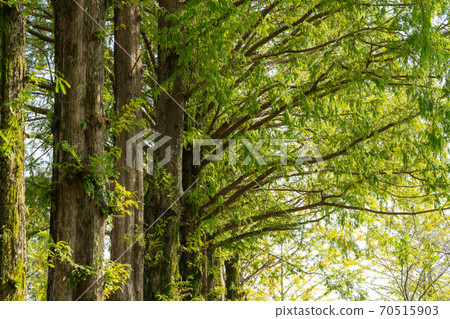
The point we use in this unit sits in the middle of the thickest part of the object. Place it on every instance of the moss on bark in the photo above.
(12, 189)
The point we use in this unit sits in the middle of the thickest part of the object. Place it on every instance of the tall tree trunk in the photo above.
(233, 279)
(208, 272)
(161, 205)
(198, 266)
(213, 273)
(127, 87)
(77, 218)
(191, 261)
(12, 186)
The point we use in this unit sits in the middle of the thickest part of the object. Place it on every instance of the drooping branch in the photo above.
(277, 32)
(381, 212)
(41, 36)
(360, 140)
(290, 227)
(256, 218)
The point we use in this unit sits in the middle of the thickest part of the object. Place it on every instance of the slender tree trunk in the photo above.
(12, 186)
(77, 217)
(127, 87)
(199, 267)
(191, 261)
(169, 261)
(213, 273)
(233, 279)
(161, 271)
(208, 272)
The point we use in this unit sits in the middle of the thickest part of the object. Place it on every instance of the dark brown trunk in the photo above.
(191, 261)
(163, 206)
(77, 217)
(127, 88)
(12, 187)
(208, 272)
(233, 279)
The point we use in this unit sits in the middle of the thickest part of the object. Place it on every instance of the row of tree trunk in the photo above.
(78, 216)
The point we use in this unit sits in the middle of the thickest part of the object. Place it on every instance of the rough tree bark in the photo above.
(12, 186)
(77, 218)
(161, 268)
(127, 88)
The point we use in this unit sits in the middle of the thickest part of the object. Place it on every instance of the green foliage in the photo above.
(61, 84)
(181, 290)
(116, 275)
(125, 118)
(408, 257)
(38, 201)
(62, 252)
(120, 200)
(98, 175)
(11, 137)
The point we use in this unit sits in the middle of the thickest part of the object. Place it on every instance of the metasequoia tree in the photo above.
(361, 82)
(12, 186)
(161, 271)
(127, 89)
(78, 213)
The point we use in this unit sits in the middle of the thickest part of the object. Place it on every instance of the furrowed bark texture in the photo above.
(77, 218)
(161, 268)
(12, 186)
(127, 88)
